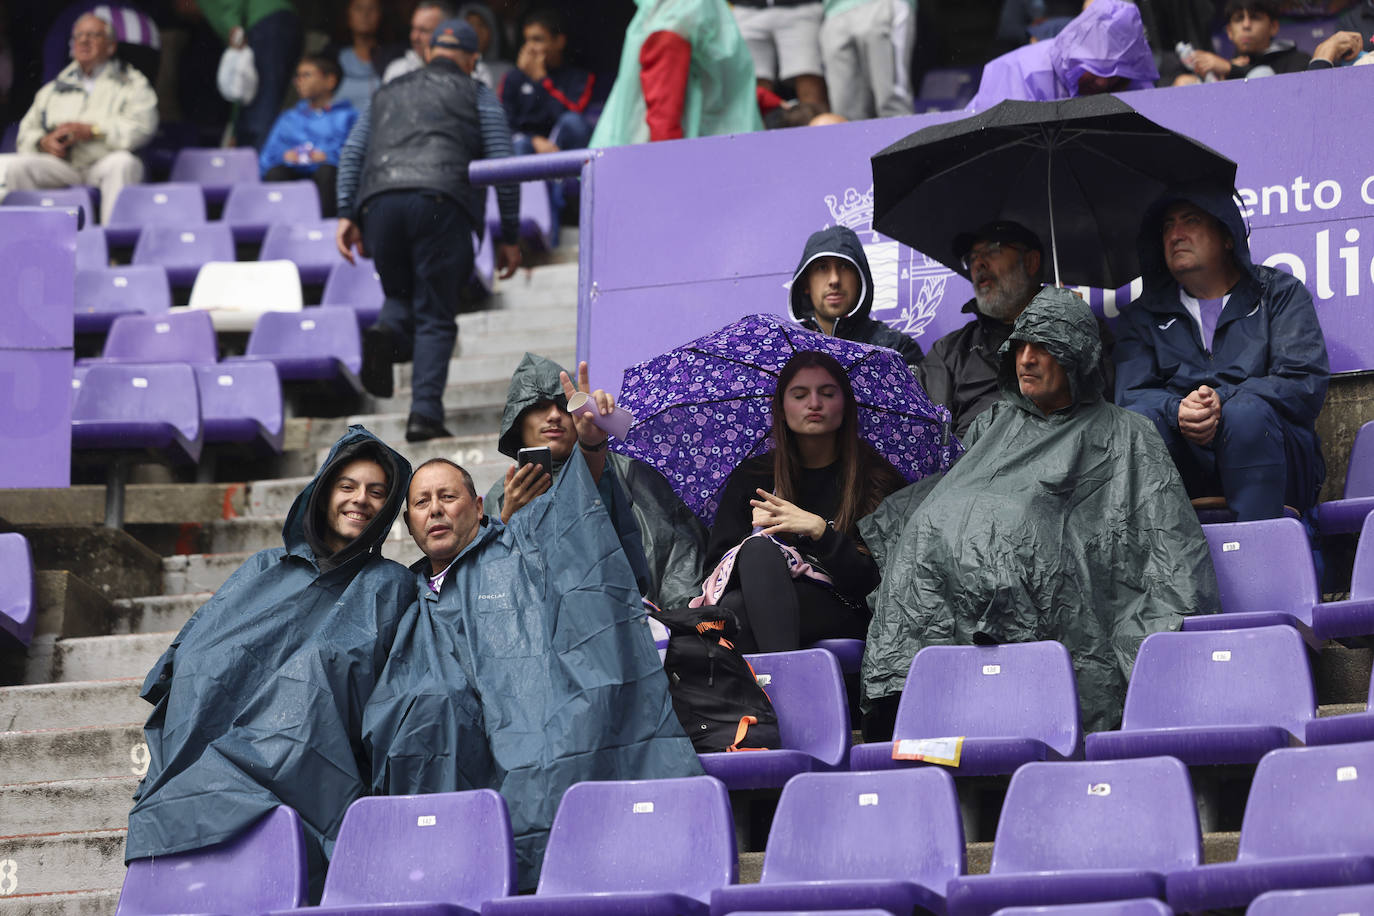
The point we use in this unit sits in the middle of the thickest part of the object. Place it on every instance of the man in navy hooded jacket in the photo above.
(1226, 357)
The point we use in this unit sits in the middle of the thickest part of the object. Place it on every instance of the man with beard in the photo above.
(1003, 259)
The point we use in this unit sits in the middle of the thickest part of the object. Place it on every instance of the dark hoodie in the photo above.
(1267, 342)
(1073, 527)
(1282, 56)
(841, 242)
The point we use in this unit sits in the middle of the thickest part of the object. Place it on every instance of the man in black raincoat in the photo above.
(1226, 357)
(832, 292)
(528, 665)
(259, 700)
(663, 539)
(1064, 520)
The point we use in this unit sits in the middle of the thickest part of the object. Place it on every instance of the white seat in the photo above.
(235, 293)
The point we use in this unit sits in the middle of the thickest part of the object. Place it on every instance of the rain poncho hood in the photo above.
(259, 699)
(1107, 39)
(664, 540)
(533, 668)
(1073, 527)
(720, 87)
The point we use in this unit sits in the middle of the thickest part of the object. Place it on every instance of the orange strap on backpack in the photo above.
(740, 731)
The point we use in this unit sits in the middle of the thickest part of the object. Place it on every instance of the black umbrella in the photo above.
(1078, 172)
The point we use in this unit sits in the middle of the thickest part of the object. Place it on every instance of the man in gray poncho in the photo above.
(1064, 520)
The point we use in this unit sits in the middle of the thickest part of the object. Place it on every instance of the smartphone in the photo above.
(540, 456)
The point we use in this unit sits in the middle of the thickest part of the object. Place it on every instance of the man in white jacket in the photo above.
(84, 125)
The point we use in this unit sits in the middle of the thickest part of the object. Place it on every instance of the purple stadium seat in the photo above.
(241, 402)
(7, 139)
(312, 345)
(83, 197)
(144, 406)
(419, 855)
(357, 286)
(216, 170)
(1140, 907)
(1082, 832)
(140, 205)
(1264, 577)
(813, 718)
(310, 245)
(1355, 615)
(483, 264)
(251, 208)
(1012, 703)
(1322, 901)
(17, 610)
(651, 847)
(884, 840)
(848, 652)
(104, 294)
(1307, 824)
(536, 216)
(184, 249)
(92, 251)
(1347, 514)
(182, 337)
(261, 870)
(1226, 696)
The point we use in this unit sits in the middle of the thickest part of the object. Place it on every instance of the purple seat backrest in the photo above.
(216, 167)
(354, 285)
(272, 202)
(8, 138)
(92, 251)
(134, 288)
(180, 204)
(184, 337)
(17, 611)
(1310, 801)
(305, 243)
(1362, 575)
(950, 84)
(184, 245)
(1023, 690)
(230, 391)
(1359, 473)
(78, 196)
(147, 392)
(1137, 907)
(309, 332)
(888, 824)
(674, 835)
(807, 690)
(262, 869)
(1072, 815)
(450, 847)
(1313, 901)
(1264, 566)
(1254, 676)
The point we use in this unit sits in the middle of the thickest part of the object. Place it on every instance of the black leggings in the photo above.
(777, 613)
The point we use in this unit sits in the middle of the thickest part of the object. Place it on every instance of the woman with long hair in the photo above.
(787, 557)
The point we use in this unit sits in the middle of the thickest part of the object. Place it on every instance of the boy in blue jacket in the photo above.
(306, 140)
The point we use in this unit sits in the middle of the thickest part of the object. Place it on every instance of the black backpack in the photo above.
(716, 695)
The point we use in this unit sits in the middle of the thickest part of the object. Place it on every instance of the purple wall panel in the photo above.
(37, 274)
(36, 415)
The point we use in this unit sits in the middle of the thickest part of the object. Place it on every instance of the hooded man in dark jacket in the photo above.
(832, 292)
(1226, 358)
(1064, 520)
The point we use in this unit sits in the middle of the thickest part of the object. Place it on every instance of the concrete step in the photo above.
(518, 341)
(501, 321)
(466, 394)
(546, 286)
(148, 503)
(479, 366)
(72, 903)
(75, 804)
(156, 613)
(199, 572)
(98, 658)
(462, 422)
(70, 705)
(61, 754)
(87, 860)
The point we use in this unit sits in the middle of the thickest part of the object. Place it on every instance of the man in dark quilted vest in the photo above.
(405, 201)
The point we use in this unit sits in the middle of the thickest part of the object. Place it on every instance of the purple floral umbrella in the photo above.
(703, 407)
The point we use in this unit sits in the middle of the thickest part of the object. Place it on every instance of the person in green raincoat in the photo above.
(1064, 520)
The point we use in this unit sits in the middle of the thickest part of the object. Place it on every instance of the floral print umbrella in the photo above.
(704, 407)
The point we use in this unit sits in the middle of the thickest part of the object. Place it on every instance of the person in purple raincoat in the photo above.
(1102, 50)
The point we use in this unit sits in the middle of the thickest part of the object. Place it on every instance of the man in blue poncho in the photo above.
(528, 665)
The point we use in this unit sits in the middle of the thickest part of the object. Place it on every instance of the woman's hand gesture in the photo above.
(776, 515)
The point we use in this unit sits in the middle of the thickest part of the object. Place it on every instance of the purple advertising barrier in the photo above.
(36, 415)
(679, 238)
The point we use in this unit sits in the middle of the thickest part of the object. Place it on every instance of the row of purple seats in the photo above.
(1347, 514)
(18, 613)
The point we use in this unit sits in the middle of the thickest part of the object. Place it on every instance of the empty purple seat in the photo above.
(309, 244)
(1081, 832)
(140, 205)
(357, 286)
(184, 249)
(251, 208)
(889, 841)
(420, 855)
(1307, 824)
(180, 337)
(241, 402)
(1264, 577)
(647, 847)
(261, 870)
(813, 719)
(1228, 696)
(82, 197)
(1141, 907)
(216, 170)
(142, 406)
(106, 293)
(92, 251)
(483, 264)
(1322, 901)
(1347, 514)
(312, 345)
(536, 215)
(849, 653)
(1355, 615)
(17, 610)
(1013, 703)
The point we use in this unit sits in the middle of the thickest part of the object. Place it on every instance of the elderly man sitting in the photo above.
(1064, 520)
(84, 125)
